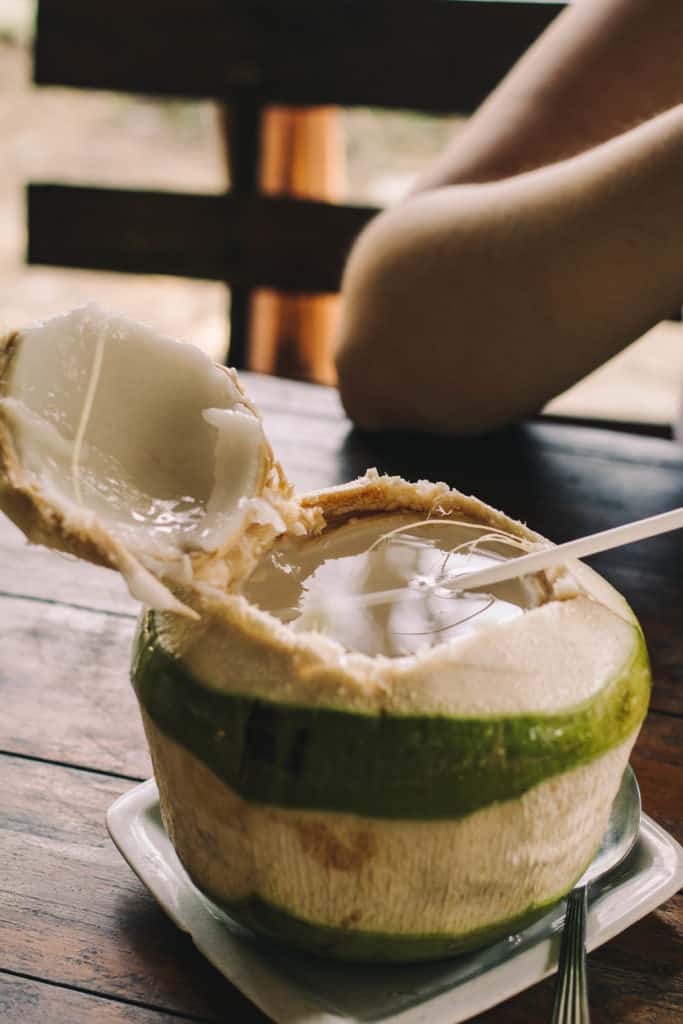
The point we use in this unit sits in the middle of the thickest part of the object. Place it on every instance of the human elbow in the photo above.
(375, 336)
(417, 348)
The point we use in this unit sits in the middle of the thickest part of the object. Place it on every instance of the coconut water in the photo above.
(387, 584)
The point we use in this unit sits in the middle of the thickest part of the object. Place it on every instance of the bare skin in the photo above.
(528, 254)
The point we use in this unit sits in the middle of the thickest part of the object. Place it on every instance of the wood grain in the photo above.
(65, 690)
(273, 393)
(56, 710)
(420, 54)
(588, 485)
(37, 1002)
(73, 913)
(619, 991)
(33, 572)
(80, 938)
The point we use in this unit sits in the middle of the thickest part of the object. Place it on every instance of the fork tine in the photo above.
(570, 1005)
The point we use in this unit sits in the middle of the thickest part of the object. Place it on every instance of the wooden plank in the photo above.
(242, 133)
(31, 571)
(37, 1002)
(587, 485)
(65, 690)
(661, 781)
(617, 991)
(657, 603)
(273, 242)
(278, 395)
(639, 428)
(564, 483)
(73, 913)
(421, 54)
(67, 696)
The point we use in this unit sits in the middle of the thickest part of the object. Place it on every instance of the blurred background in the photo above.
(100, 138)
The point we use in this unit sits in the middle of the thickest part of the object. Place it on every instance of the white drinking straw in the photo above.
(549, 557)
(546, 558)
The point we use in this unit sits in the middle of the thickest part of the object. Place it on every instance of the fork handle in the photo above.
(570, 1005)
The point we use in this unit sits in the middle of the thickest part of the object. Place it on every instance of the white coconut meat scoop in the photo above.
(128, 448)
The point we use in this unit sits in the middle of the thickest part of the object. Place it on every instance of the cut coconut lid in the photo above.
(125, 446)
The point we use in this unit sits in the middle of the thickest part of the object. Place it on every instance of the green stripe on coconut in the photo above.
(362, 888)
(349, 943)
(383, 765)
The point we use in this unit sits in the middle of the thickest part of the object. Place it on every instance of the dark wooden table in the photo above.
(80, 938)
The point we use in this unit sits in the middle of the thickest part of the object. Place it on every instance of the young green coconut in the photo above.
(352, 757)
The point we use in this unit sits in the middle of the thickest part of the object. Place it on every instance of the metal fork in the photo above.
(571, 996)
(571, 992)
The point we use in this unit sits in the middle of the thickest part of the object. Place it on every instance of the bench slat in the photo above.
(258, 241)
(420, 54)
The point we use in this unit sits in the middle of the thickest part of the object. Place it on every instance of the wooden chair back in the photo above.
(440, 56)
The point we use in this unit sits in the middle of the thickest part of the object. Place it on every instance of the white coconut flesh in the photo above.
(135, 442)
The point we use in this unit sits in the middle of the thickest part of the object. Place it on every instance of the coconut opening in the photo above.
(191, 450)
(387, 584)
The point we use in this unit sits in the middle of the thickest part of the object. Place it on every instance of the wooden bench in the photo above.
(440, 56)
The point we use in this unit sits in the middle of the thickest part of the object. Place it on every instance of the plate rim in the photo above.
(263, 984)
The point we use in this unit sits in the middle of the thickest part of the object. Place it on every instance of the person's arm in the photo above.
(602, 67)
(470, 306)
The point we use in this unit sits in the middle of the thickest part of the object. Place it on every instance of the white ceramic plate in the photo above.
(292, 987)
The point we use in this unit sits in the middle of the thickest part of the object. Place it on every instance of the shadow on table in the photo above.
(510, 469)
(563, 481)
